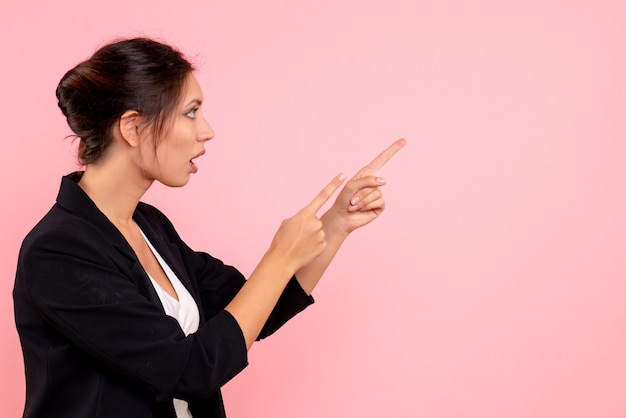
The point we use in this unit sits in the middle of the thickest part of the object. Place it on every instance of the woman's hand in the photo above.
(361, 200)
(301, 238)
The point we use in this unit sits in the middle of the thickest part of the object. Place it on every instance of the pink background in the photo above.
(493, 286)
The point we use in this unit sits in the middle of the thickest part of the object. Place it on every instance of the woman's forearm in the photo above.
(254, 302)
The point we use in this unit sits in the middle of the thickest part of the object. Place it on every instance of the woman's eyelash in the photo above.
(192, 113)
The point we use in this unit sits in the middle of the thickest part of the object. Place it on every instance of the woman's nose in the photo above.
(206, 133)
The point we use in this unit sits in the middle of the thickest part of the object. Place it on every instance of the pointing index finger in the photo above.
(326, 193)
(382, 158)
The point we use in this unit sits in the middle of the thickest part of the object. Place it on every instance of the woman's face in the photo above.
(171, 163)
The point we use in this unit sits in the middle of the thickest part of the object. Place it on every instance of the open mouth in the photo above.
(194, 167)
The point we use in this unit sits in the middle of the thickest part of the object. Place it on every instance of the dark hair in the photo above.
(132, 74)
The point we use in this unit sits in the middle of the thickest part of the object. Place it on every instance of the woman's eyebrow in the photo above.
(196, 101)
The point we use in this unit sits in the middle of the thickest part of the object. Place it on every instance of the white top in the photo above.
(184, 310)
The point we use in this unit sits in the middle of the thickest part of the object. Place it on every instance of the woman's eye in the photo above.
(192, 113)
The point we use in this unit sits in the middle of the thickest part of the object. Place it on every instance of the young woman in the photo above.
(117, 316)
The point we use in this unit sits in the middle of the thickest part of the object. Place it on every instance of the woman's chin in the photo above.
(178, 182)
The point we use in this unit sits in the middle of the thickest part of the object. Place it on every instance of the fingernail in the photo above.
(342, 176)
(354, 200)
(381, 180)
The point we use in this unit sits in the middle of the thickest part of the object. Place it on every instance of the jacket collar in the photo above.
(74, 199)
(166, 249)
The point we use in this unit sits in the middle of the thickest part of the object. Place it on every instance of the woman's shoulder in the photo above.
(59, 227)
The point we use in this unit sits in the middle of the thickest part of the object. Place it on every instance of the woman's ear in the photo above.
(129, 127)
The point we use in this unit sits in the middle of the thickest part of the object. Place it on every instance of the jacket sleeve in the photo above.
(292, 301)
(219, 283)
(81, 292)
(217, 290)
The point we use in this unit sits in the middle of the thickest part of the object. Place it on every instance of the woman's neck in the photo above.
(114, 189)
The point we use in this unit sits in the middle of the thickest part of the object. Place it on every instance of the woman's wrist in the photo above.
(276, 262)
(333, 226)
